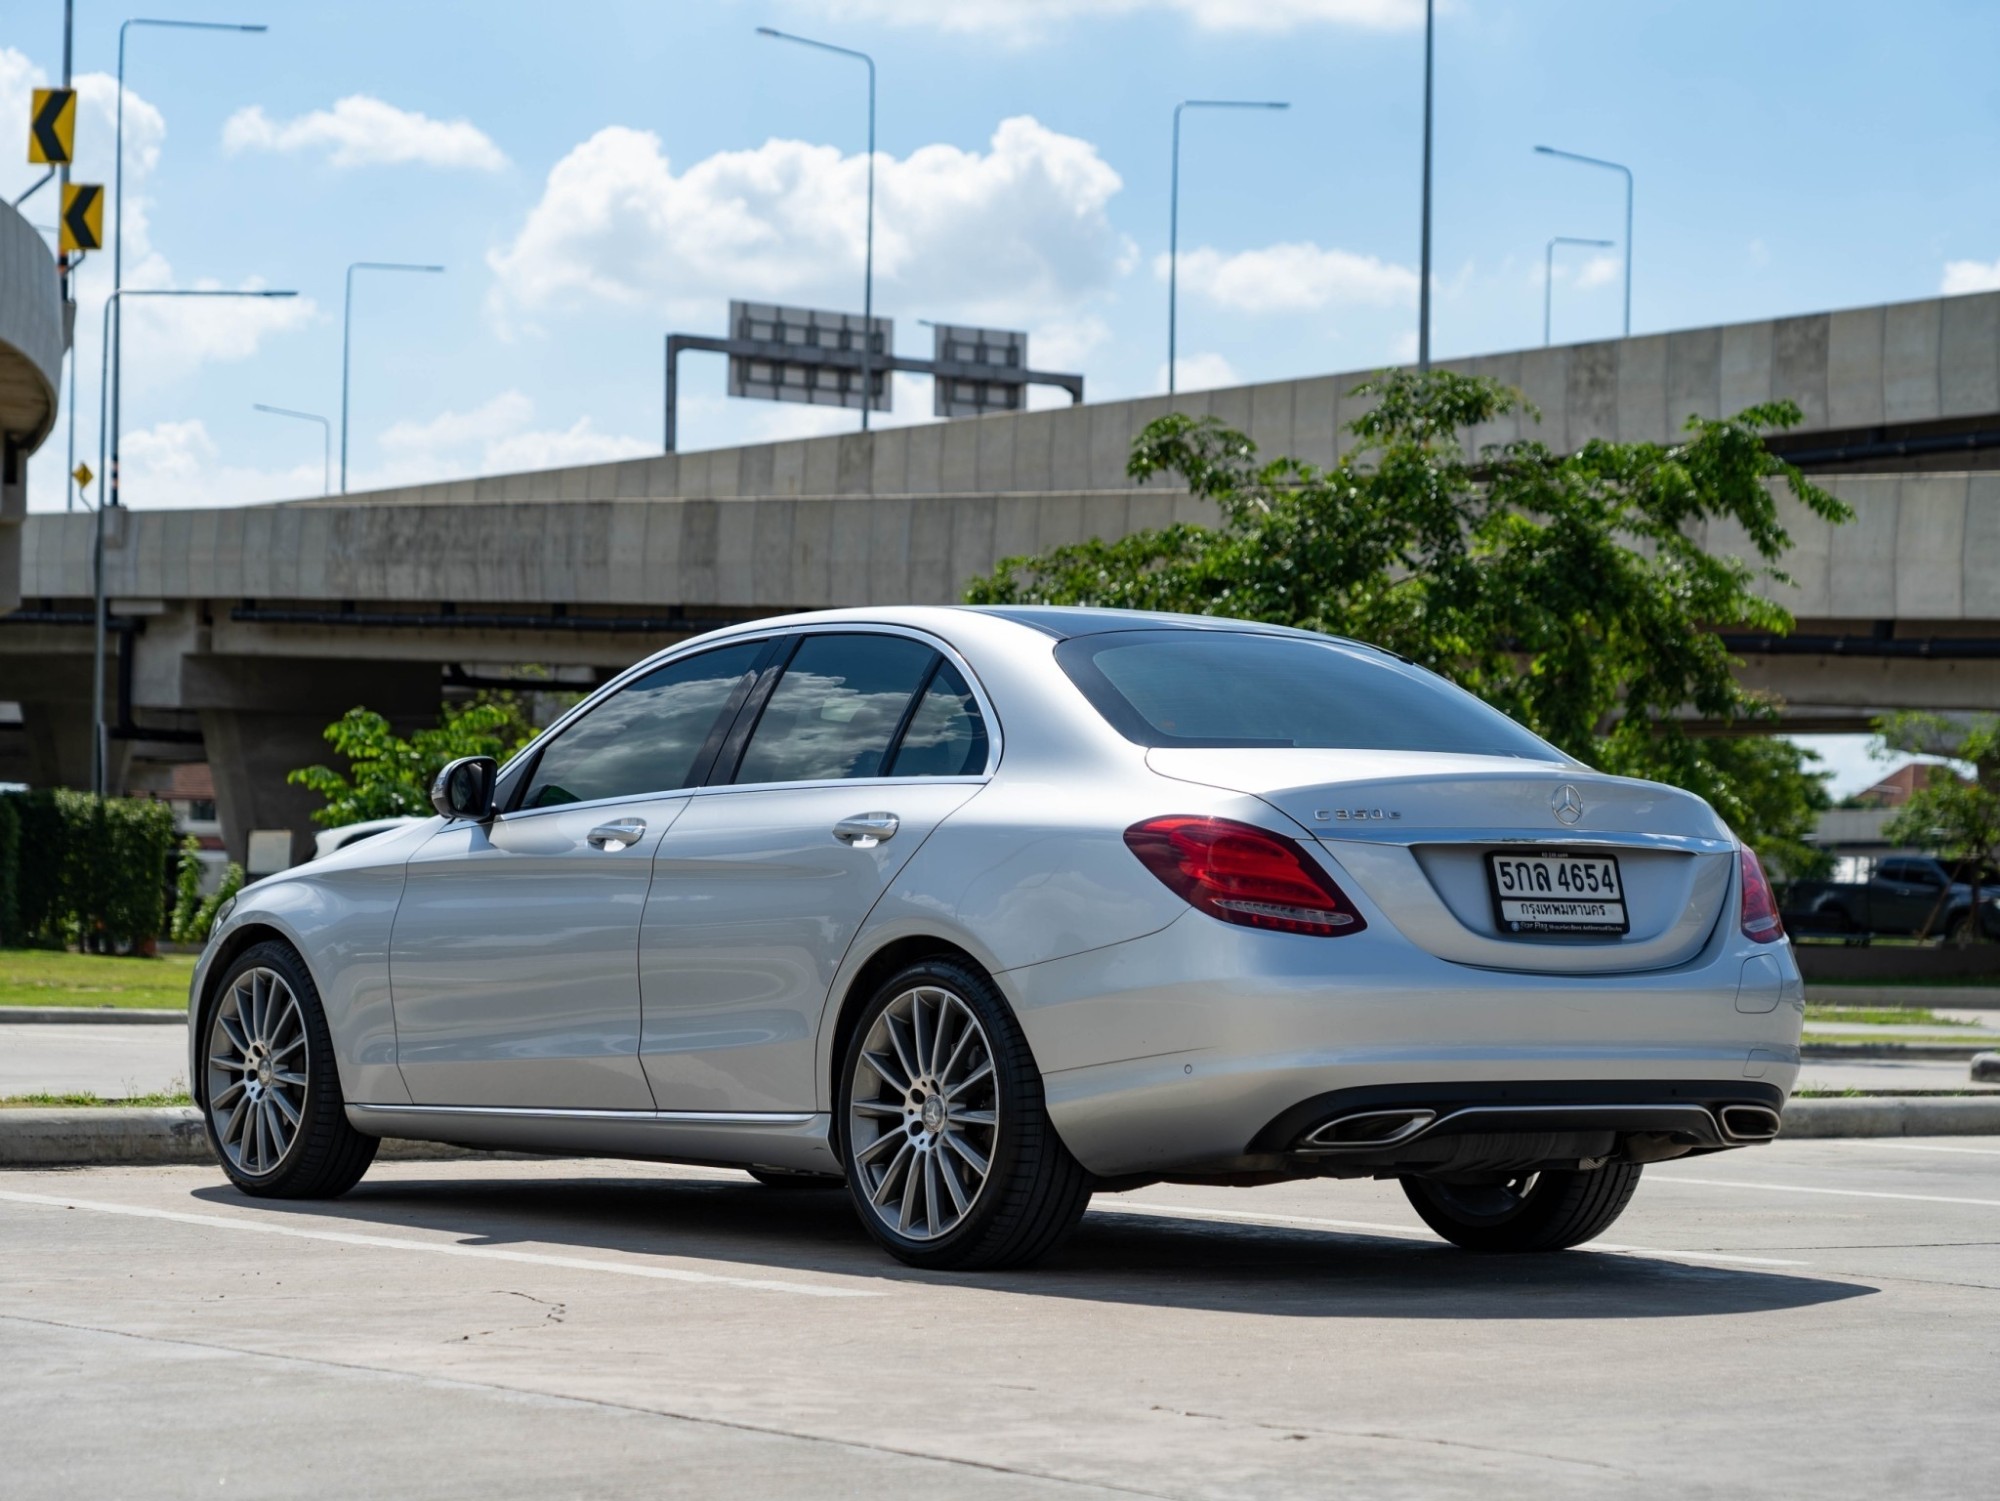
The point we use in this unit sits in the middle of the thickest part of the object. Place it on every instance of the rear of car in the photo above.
(1418, 941)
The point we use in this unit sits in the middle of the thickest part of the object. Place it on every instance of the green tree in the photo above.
(1571, 591)
(1958, 821)
(389, 776)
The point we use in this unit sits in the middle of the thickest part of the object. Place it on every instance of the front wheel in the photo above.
(951, 1159)
(1547, 1211)
(269, 1093)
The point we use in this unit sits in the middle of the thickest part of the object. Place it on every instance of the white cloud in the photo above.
(494, 438)
(1198, 372)
(966, 234)
(176, 465)
(1025, 19)
(1291, 278)
(363, 132)
(1598, 271)
(1970, 276)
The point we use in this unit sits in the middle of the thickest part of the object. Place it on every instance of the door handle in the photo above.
(866, 830)
(613, 837)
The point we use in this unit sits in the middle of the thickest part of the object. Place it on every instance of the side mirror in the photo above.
(464, 789)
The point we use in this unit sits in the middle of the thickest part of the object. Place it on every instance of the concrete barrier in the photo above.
(97, 1016)
(113, 1136)
(1893, 1115)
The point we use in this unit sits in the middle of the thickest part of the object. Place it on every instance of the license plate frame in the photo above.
(1553, 892)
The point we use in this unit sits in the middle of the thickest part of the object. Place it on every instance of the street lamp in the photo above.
(1593, 161)
(1424, 257)
(107, 435)
(326, 439)
(868, 255)
(110, 480)
(1549, 277)
(347, 335)
(1174, 214)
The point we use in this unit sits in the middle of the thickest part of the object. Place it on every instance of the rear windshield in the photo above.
(1231, 688)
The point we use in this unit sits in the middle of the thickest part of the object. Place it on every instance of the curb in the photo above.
(117, 1136)
(1929, 1052)
(1957, 1115)
(97, 1016)
(106, 1136)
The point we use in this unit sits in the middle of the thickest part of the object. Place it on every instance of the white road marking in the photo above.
(1176, 1211)
(444, 1248)
(1920, 1146)
(1844, 1193)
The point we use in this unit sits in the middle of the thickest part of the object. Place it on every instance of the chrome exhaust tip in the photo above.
(1367, 1130)
(1749, 1122)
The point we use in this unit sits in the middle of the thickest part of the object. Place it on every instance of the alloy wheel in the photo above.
(257, 1070)
(923, 1113)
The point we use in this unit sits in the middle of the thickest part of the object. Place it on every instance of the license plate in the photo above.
(1557, 892)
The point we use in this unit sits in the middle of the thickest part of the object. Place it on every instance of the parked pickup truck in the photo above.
(1904, 894)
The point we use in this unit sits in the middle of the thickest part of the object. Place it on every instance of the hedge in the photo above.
(84, 870)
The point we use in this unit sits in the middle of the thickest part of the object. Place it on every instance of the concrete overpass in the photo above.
(242, 632)
(31, 356)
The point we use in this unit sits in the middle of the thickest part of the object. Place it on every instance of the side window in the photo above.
(835, 710)
(1893, 870)
(645, 738)
(946, 736)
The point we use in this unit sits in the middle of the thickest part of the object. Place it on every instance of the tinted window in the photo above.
(646, 737)
(1229, 688)
(946, 736)
(835, 710)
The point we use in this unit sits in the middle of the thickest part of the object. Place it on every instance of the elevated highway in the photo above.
(242, 632)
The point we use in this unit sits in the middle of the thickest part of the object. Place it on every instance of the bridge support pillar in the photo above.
(57, 733)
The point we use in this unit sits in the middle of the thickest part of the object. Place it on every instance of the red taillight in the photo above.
(1243, 874)
(1761, 923)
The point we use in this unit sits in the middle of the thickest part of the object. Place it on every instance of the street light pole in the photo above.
(1424, 258)
(109, 479)
(1174, 215)
(107, 422)
(325, 445)
(346, 339)
(868, 253)
(1596, 161)
(1549, 277)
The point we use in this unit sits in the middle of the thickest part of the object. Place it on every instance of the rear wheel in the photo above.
(951, 1159)
(269, 1093)
(1548, 1211)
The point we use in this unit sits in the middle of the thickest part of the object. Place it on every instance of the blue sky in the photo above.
(591, 186)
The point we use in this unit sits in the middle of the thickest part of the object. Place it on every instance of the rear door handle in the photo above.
(866, 830)
(615, 836)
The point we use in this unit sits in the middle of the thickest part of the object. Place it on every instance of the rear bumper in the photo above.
(1208, 1048)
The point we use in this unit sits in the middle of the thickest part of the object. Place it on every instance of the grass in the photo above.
(1894, 1040)
(91, 1101)
(52, 977)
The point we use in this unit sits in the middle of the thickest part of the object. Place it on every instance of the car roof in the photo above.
(1067, 621)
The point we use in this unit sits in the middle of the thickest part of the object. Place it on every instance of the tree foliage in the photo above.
(1573, 592)
(389, 776)
(1958, 821)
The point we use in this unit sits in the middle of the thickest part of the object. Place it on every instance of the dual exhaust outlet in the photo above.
(1373, 1130)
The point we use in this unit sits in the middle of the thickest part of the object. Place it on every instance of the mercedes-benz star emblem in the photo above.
(1567, 804)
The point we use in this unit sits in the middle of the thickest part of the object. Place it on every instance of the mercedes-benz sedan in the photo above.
(982, 910)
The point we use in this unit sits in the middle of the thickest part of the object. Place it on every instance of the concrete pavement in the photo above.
(114, 1061)
(1811, 1312)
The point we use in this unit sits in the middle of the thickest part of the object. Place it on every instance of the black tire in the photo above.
(1549, 1211)
(1034, 1191)
(325, 1156)
(787, 1181)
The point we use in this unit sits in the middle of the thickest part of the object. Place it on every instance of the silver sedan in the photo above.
(980, 911)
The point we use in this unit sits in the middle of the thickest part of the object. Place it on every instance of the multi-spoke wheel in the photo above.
(951, 1159)
(1548, 1211)
(256, 1070)
(270, 1095)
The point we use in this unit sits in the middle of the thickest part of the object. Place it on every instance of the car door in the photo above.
(863, 744)
(513, 962)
